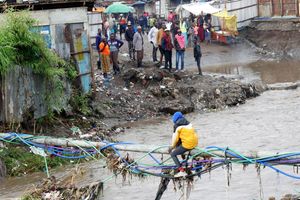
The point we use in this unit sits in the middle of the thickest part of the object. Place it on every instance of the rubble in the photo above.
(151, 92)
(52, 188)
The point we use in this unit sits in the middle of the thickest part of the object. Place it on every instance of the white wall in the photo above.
(61, 16)
(163, 6)
(245, 10)
(95, 22)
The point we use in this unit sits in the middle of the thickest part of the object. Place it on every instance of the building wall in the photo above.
(23, 95)
(65, 30)
(269, 8)
(61, 16)
(245, 10)
(162, 8)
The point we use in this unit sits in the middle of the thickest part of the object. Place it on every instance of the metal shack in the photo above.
(65, 28)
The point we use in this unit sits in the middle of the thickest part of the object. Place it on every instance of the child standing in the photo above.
(105, 59)
(198, 54)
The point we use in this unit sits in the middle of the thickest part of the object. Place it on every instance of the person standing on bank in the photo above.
(152, 39)
(184, 138)
(198, 54)
(179, 43)
(98, 41)
(114, 46)
(129, 33)
(167, 47)
(138, 44)
(104, 53)
(159, 37)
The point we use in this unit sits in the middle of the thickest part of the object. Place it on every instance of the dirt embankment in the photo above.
(153, 92)
(149, 92)
(279, 38)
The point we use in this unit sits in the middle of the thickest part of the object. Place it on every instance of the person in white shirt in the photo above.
(138, 44)
(152, 39)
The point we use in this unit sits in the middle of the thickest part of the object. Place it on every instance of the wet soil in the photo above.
(268, 71)
(278, 38)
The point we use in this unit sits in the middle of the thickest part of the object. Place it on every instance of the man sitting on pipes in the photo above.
(184, 139)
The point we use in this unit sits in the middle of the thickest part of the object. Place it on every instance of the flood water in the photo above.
(268, 71)
(267, 123)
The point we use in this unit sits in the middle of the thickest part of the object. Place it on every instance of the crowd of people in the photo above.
(165, 35)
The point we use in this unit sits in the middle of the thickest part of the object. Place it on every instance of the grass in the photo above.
(20, 161)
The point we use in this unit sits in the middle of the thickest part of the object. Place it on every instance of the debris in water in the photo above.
(52, 188)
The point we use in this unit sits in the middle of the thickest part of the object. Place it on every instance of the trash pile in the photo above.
(141, 93)
(53, 188)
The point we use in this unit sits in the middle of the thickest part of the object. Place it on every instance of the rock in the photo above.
(175, 106)
(217, 92)
(284, 86)
(187, 90)
(290, 197)
(178, 76)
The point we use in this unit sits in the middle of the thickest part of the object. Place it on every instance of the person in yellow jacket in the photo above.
(159, 38)
(184, 137)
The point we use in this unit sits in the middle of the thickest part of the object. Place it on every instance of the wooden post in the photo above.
(184, 188)
(258, 8)
(281, 8)
(272, 10)
(92, 69)
(297, 8)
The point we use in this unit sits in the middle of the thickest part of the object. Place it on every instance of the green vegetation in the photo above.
(21, 46)
(79, 103)
(20, 161)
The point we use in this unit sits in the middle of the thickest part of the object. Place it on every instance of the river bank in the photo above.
(276, 38)
(263, 123)
(149, 93)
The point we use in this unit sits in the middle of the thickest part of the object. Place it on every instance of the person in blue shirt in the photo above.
(114, 46)
(130, 19)
(98, 41)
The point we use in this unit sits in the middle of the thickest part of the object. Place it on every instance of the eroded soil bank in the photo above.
(279, 38)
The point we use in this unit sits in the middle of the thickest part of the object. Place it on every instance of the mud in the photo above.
(278, 38)
(153, 92)
(268, 71)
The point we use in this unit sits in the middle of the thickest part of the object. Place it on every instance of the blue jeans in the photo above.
(180, 55)
(179, 150)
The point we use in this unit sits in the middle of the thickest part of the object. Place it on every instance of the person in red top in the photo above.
(167, 45)
(122, 26)
(105, 59)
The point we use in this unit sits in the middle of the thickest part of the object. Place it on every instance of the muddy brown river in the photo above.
(267, 123)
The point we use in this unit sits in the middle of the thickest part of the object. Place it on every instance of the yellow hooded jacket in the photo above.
(187, 135)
